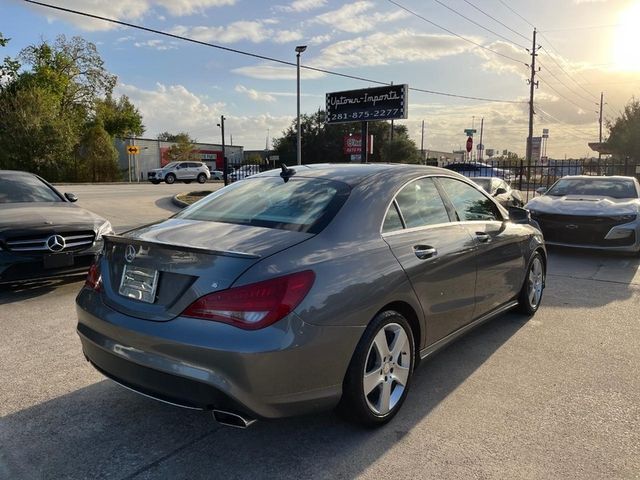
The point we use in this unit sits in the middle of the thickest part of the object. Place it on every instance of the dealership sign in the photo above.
(367, 104)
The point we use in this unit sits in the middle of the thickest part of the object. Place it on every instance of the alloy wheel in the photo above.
(536, 282)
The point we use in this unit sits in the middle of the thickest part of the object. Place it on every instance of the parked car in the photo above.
(217, 174)
(296, 291)
(501, 191)
(183, 171)
(42, 233)
(479, 169)
(244, 171)
(590, 212)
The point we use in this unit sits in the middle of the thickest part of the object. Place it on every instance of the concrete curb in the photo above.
(177, 202)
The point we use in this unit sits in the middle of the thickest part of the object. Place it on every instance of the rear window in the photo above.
(601, 187)
(25, 188)
(301, 204)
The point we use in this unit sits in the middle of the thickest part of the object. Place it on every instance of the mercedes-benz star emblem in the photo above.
(56, 243)
(130, 253)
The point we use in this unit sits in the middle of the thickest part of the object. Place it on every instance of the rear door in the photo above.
(499, 256)
(436, 254)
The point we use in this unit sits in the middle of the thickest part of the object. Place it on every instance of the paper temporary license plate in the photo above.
(139, 283)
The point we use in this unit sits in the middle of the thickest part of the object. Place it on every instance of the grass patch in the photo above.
(192, 197)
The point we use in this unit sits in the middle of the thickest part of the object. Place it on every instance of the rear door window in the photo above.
(421, 204)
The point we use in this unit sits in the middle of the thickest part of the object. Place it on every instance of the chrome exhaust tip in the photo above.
(231, 419)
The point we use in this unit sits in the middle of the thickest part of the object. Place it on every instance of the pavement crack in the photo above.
(158, 461)
(590, 279)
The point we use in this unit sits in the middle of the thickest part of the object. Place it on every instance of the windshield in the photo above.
(601, 187)
(484, 183)
(25, 188)
(300, 204)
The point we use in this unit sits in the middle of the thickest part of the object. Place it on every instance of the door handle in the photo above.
(423, 252)
(483, 237)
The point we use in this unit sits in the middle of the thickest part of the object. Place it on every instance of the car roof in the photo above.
(598, 177)
(354, 173)
(16, 173)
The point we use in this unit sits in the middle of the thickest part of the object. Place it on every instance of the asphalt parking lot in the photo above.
(555, 396)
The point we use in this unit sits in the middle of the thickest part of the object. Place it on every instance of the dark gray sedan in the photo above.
(302, 290)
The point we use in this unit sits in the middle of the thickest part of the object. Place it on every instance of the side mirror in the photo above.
(541, 190)
(519, 215)
(72, 197)
(500, 191)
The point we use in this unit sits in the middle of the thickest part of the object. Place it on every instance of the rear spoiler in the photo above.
(177, 246)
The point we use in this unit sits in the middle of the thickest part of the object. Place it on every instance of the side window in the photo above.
(421, 204)
(470, 204)
(392, 221)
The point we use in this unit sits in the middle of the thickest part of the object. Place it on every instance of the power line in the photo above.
(517, 14)
(450, 32)
(568, 128)
(582, 97)
(581, 107)
(560, 66)
(263, 57)
(497, 21)
(586, 27)
(478, 24)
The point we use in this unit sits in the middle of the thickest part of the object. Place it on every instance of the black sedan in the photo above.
(42, 233)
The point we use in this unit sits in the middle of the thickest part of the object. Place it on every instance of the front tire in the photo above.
(380, 372)
(531, 292)
(170, 178)
(202, 178)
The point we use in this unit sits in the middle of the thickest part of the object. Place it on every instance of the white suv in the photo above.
(183, 171)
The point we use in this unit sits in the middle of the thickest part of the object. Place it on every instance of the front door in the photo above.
(438, 256)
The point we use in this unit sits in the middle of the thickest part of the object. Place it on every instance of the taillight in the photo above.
(254, 306)
(94, 278)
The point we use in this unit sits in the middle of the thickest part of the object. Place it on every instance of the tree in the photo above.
(183, 149)
(623, 132)
(167, 137)
(324, 143)
(98, 158)
(120, 118)
(9, 67)
(253, 159)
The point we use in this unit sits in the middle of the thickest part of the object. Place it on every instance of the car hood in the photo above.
(584, 205)
(47, 216)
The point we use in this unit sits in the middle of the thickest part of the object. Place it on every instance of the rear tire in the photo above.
(380, 372)
(533, 287)
(202, 178)
(170, 178)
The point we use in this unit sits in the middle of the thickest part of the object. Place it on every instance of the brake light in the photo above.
(94, 278)
(254, 306)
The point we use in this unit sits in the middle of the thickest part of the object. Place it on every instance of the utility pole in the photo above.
(480, 146)
(224, 153)
(600, 121)
(532, 86)
(422, 145)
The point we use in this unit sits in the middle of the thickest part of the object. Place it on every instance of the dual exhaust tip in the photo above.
(231, 419)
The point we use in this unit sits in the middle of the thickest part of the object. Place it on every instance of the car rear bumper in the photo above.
(287, 369)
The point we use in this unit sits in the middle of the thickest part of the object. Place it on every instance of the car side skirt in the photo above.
(434, 347)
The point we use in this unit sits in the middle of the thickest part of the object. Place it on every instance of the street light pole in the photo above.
(299, 50)
(224, 153)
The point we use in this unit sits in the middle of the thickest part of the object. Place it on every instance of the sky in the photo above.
(587, 47)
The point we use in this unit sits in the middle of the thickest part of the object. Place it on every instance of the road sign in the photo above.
(469, 131)
(133, 149)
(469, 144)
(367, 104)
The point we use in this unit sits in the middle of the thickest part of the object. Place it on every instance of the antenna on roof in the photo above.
(286, 172)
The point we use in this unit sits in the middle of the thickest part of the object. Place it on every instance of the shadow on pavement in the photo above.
(166, 203)
(105, 431)
(570, 269)
(17, 292)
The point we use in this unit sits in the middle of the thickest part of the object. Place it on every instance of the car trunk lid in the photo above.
(177, 261)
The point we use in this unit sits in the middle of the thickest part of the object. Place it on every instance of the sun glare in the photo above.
(627, 40)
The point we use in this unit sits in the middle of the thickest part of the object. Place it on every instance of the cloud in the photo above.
(302, 5)
(254, 94)
(319, 39)
(356, 18)
(124, 10)
(174, 108)
(156, 44)
(373, 50)
(253, 31)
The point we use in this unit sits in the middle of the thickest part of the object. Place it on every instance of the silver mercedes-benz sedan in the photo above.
(305, 289)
